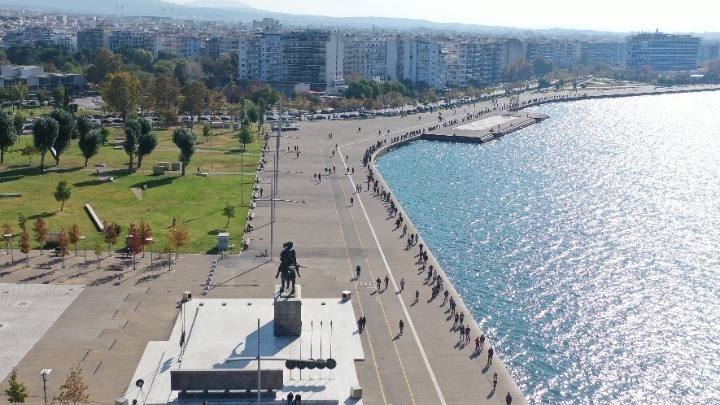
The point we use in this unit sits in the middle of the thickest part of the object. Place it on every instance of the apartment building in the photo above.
(606, 52)
(371, 57)
(662, 52)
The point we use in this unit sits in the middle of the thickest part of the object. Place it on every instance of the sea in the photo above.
(587, 247)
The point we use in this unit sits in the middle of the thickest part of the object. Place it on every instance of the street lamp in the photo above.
(150, 242)
(44, 373)
(8, 244)
(84, 239)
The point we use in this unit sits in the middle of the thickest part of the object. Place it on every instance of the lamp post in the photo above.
(44, 373)
(150, 242)
(84, 239)
(8, 244)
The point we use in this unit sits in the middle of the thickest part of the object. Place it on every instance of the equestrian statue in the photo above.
(288, 268)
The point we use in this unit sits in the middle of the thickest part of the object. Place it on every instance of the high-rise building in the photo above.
(424, 61)
(608, 52)
(662, 52)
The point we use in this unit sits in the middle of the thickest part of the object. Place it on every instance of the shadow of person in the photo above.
(491, 393)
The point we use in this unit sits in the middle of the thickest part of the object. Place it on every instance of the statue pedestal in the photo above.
(287, 308)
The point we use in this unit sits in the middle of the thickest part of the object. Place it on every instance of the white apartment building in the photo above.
(371, 57)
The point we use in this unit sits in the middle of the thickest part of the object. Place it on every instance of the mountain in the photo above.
(224, 4)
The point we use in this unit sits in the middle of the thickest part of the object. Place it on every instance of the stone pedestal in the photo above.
(288, 311)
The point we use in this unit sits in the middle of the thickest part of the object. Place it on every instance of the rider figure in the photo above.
(287, 259)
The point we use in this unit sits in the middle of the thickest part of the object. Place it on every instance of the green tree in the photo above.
(146, 145)
(59, 94)
(19, 123)
(542, 66)
(195, 100)
(184, 138)
(167, 97)
(62, 193)
(97, 249)
(245, 137)
(105, 62)
(84, 125)
(229, 212)
(363, 89)
(121, 92)
(8, 135)
(133, 130)
(66, 131)
(17, 392)
(252, 114)
(45, 131)
(104, 134)
(29, 151)
(267, 93)
(74, 390)
(207, 130)
(89, 145)
(22, 222)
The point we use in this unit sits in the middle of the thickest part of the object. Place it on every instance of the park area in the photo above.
(219, 174)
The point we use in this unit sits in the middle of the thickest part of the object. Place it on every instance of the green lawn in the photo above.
(195, 201)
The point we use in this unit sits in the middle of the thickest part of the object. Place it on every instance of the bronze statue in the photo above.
(288, 268)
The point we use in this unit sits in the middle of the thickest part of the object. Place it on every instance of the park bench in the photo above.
(95, 219)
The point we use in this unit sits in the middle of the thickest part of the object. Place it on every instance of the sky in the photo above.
(606, 15)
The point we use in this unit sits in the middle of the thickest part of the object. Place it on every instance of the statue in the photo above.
(288, 268)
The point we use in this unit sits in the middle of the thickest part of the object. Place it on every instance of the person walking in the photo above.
(490, 356)
(508, 399)
(457, 318)
(387, 280)
(357, 272)
(495, 378)
(360, 324)
(351, 201)
(467, 333)
(417, 295)
(477, 344)
(402, 326)
(378, 281)
(482, 341)
(290, 398)
(402, 284)
(462, 318)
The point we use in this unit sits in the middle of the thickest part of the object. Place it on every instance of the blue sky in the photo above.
(607, 15)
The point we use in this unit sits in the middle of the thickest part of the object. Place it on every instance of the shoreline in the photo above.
(477, 139)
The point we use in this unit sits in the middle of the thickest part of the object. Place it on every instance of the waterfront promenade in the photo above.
(106, 328)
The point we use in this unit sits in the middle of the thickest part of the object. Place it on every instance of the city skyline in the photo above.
(634, 16)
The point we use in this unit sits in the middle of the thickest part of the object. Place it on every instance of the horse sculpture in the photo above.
(288, 268)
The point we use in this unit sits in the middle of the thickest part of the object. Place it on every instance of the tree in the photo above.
(542, 66)
(245, 137)
(216, 100)
(177, 238)
(74, 389)
(146, 145)
(229, 212)
(145, 233)
(207, 130)
(195, 100)
(167, 97)
(97, 249)
(19, 123)
(24, 245)
(22, 222)
(8, 135)
(62, 193)
(84, 125)
(267, 93)
(63, 244)
(74, 236)
(29, 151)
(111, 233)
(41, 230)
(121, 92)
(17, 392)
(45, 131)
(184, 138)
(90, 144)
(134, 242)
(66, 131)
(7, 230)
(133, 129)
(105, 62)
(59, 94)
(104, 134)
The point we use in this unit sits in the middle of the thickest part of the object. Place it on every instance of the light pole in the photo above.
(150, 242)
(8, 244)
(84, 239)
(44, 373)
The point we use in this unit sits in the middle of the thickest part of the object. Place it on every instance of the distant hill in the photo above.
(224, 4)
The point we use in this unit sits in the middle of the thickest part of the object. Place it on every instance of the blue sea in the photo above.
(587, 247)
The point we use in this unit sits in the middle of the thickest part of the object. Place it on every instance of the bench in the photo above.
(225, 380)
(96, 220)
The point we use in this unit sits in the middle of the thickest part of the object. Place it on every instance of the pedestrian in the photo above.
(462, 318)
(490, 355)
(417, 295)
(446, 294)
(298, 400)
(402, 326)
(387, 280)
(359, 324)
(467, 333)
(477, 344)
(351, 201)
(482, 341)
(494, 381)
(357, 272)
(364, 321)
(290, 398)
(378, 281)
(457, 317)
(508, 399)
(261, 191)
(402, 284)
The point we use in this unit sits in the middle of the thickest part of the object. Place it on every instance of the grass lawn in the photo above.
(196, 202)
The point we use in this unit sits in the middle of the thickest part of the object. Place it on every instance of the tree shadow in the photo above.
(157, 182)
(42, 215)
(8, 179)
(95, 182)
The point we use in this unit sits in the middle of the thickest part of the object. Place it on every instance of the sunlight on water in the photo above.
(588, 246)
